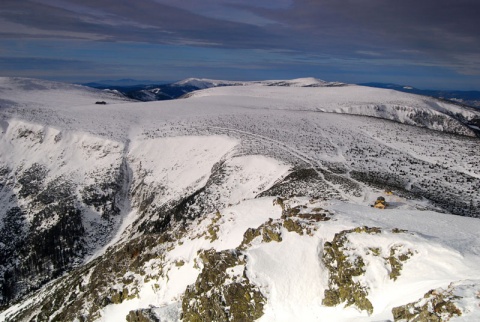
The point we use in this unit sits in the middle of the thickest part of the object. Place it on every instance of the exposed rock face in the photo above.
(298, 219)
(144, 315)
(109, 279)
(55, 210)
(269, 231)
(47, 234)
(343, 270)
(346, 263)
(436, 306)
(222, 291)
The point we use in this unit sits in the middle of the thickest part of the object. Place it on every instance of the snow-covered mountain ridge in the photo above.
(238, 203)
(30, 92)
(387, 104)
(181, 88)
(203, 83)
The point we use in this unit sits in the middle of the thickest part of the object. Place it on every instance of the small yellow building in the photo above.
(380, 203)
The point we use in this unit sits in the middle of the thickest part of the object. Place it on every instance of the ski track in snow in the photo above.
(294, 152)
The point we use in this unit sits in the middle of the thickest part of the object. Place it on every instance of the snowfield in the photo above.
(358, 100)
(245, 201)
(203, 83)
(30, 93)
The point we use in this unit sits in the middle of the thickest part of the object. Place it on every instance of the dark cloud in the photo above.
(70, 70)
(431, 30)
(140, 21)
(427, 33)
(14, 64)
(325, 25)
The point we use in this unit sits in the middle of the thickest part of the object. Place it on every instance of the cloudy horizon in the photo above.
(427, 44)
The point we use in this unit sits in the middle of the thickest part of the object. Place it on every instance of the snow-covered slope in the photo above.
(300, 82)
(147, 93)
(382, 103)
(16, 91)
(243, 203)
(203, 83)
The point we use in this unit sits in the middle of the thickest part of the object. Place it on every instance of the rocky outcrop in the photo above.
(346, 263)
(436, 306)
(222, 291)
(143, 315)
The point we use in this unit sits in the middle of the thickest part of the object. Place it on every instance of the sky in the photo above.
(429, 44)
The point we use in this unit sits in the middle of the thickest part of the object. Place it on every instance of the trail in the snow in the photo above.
(314, 164)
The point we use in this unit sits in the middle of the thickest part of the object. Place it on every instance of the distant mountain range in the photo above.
(123, 82)
(146, 90)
